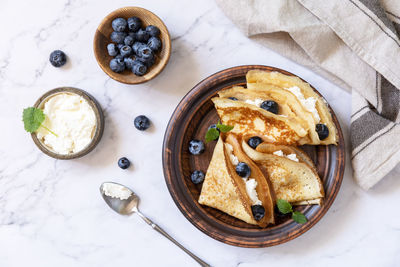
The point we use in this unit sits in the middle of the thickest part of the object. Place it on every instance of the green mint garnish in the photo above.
(213, 133)
(285, 208)
(224, 128)
(33, 119)
(299, 217)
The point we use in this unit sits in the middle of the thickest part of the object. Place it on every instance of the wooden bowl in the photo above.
(102, 39)
(99, 122)
(190, 120)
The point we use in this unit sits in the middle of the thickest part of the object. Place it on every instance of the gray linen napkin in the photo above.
(355, 44)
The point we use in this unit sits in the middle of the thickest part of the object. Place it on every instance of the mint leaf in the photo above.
(224, 128)
(299, 217)
(32, 118)
(212, 134)
(284, 206)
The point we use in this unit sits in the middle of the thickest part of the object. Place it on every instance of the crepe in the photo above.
(249, 119)
(289, 106)
(295, 182)
(224, 190)
(264, 81)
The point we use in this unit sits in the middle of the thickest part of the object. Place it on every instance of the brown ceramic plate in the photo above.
(190, 120)
(102, 39)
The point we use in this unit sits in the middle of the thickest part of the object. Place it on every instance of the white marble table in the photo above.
(51, 213)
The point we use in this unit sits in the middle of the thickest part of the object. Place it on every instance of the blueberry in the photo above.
(134, 24)
(258, 212)
(271, 106)
(136, 46)
(124, 163)
(213, 126)
(120, 46)
(58, 58)
(118, 37)
(112, 50)
(322, 130)
(145, 52)
(197, 177)
(117, 65)
(128, 63)
(119, 57)
(233, 98)
(126, 51)
(119, 24)
(129, 40)
(133, 35)
(138, 68)
(254, 141)
(243, 170)
(147, 62)
(153, 30)
(142, 123)
(142, 36)
(196, 147)
(154, 43)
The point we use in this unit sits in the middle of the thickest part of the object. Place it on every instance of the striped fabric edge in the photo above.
(364, 171)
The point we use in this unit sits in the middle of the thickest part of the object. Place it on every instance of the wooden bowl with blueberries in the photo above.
(132, 45)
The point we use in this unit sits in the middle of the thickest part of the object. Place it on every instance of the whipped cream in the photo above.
(73, 120)
(251, 185)
(256, 102)
(290, 156)
(116, 191)
(233, 158)
(308, 103)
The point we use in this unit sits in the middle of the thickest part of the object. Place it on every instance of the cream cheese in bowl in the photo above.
(73, 123)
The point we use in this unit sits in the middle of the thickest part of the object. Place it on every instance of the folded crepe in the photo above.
(292, 173)
(312, 103)
(249, 119)
(224, 190)
(289, 106)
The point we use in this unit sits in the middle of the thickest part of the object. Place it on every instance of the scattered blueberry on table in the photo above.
(196, 147)
(135, 46)
(58, 58)
(124, 163)
(141, 122)
(197, 177)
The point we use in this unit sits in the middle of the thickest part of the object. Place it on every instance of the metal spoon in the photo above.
(130, 206)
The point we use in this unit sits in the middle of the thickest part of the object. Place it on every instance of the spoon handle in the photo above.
(161, 231)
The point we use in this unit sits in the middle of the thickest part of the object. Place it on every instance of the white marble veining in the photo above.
(51, 212)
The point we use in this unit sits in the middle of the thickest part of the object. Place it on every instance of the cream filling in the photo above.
(116, 191)
(256, 102)
(250, 183)
(308, 103)
(290, 156)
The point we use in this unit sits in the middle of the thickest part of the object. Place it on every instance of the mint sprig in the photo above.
(285, 208)
(224, 128)
(213, 133)
(33, 119)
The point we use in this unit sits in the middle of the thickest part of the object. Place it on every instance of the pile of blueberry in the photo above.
(134, 47)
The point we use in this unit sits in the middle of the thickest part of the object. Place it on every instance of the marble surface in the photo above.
(51, 213)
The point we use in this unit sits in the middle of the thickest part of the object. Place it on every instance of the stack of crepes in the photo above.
(279, 169)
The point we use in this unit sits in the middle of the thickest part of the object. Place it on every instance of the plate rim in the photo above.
(340, 166)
